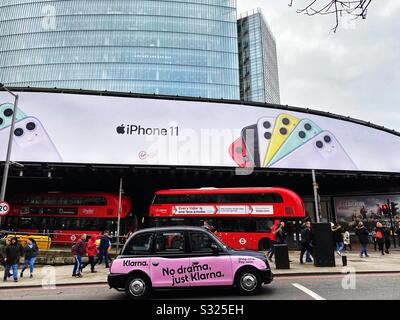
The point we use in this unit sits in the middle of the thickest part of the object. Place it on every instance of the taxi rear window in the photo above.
(170, 242)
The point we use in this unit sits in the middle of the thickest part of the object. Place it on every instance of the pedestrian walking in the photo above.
(78, 250)
(13, 253)
(308, 253)
(337, 232)
(374, 240)
(30, 251)
(362, 234)
(104, 249)
(275, 230)
(379, 237)
(386, 236)
(306, 241)
(91, 250)
(3, 245)
(347, 240)
(398, 233)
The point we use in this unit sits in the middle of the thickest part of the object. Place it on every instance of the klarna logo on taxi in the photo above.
(129, 263)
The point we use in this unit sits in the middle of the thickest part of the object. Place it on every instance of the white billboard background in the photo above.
(83, 129)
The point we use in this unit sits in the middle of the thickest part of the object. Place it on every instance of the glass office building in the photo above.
(258, 62)
(174, 47)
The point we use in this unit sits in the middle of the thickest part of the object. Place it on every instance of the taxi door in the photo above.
(208, 267)
(169, 264)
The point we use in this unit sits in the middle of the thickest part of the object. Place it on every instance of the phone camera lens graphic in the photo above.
(307, 126)
(239, 150)
(8, 112)
(319, 144)
(327, 139)
(268, 135)
(285, 121)
(267, 124)
(31, 126)
(18, 132)
(302, 134)
(1, 121)
(283, 131)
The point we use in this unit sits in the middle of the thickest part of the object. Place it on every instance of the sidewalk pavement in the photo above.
(45, 275)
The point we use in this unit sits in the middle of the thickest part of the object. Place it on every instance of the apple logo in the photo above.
(121, 129)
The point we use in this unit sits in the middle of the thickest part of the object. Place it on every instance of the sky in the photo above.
(354, 72)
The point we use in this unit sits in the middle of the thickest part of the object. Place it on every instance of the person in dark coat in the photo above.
(104, 248)
(3, 245)
(363, 238)
(306, 241)
(386, 237)
(398, 232)
(13, 252)
(30, 252)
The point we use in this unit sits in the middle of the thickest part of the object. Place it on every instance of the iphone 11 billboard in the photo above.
(90, 129)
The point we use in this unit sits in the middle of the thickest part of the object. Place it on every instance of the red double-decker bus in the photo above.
(242, 217)
(65, 216)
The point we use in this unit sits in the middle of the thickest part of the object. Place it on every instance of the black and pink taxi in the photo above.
(185, 257)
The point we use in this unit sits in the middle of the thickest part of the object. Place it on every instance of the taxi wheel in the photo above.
(248, 282)
(138, 287)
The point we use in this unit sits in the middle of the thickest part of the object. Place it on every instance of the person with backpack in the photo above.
(30, 251)
(362, 233)
(379, 236)
(78, 251)
(13, 253)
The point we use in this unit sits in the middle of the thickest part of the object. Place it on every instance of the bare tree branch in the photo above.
(355, 8)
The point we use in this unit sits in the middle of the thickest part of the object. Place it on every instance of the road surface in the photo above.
(333, 287)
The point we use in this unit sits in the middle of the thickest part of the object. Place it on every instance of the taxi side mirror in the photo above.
(215, 249)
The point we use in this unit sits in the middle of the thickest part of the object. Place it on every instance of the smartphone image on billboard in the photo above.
(265, 126)
(304, 131)
(250, 138)
(238, 152)
(323, 152)
(284, 125)
(31, 142)
(6, 114)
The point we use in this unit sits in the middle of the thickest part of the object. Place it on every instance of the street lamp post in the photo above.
(316, 196)
(119, 212)
(9, 147)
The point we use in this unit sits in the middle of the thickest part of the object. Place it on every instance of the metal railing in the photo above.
(117, 242)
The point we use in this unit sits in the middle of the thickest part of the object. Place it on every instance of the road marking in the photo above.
(333, 276)
(308, 291)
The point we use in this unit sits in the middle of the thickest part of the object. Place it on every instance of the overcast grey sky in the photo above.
(354, 72)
